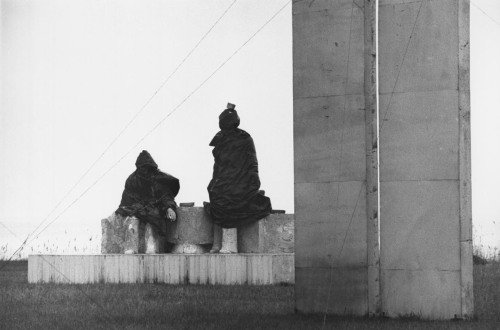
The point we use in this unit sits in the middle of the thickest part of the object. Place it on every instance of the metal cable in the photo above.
(153, 128)
(123, 130)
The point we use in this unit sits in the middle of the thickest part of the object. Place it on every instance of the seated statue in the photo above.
(235, 198)
(149, 195)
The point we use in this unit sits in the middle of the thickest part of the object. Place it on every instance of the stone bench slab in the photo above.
(253, 269)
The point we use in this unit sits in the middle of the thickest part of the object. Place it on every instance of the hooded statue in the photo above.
(149, 194)
(234, 193)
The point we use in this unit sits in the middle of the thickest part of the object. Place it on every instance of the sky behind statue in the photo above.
(74, 73)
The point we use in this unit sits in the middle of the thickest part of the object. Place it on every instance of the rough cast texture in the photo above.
(273, 234)
(255, 269)
(330, 157)
(424, 176)
(129, 235)
(193, 226)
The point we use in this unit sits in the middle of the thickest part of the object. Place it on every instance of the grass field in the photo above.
(159, 306)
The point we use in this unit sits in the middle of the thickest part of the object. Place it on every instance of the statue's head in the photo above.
(229, 118)
(144, 160)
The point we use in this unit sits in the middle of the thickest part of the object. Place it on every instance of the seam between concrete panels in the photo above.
(420, 180)
(399, 4)
(435, 91)
(465, 214)
(363, 267)
(327, 96)
(372, 128)
(329, 181)
(422, 270)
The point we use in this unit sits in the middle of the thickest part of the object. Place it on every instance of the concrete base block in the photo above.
(229, 240)
(129, 235)
(255, 269)
(189, 248)
(193, 226)
(273, 234)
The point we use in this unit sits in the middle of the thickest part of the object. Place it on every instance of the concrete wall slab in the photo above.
(423, 148)
(331, 218)
(431, 59)
(331, 290)
(333, 36)
(420, 226)
(431, 294)
(419, 136)
(329, 134)
(304, 7)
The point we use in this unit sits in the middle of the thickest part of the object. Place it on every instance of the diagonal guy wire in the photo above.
(10, 231)
(123, 129)
(156, 126)
(485, 13)
(106, 313)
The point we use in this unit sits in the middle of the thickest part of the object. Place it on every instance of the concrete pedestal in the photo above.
(191, 232)
(130, 236)
(273, 234)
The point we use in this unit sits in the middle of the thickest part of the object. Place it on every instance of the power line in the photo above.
(486, 14)
(106, 313)
(156, 126)
(126, 127)
(10, 231)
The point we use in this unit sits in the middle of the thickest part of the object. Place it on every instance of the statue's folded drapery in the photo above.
(234, 193)
(149, 193)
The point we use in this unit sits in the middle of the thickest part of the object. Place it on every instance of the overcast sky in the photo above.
(74, 73)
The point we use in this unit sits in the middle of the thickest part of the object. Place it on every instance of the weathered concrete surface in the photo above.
(466, 270)
(336, 290)
(327, 35)
(424, 175)
(127, 235)
(414, 292)
(420, 226)
(192, 230)
(330, 157)
(372, 158)
(229, 240)
(273, 234)
(331, 232)
(192, 226)
(422, 179)
(419, 137)
(329, 139)
(252, 269)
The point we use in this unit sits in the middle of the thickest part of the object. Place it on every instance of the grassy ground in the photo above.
(155, 306)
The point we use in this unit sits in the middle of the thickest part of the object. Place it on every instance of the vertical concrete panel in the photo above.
(330, 156)
(330, 224)
(414, 293)
(420, 225)
(423, 157)
(335, 290)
